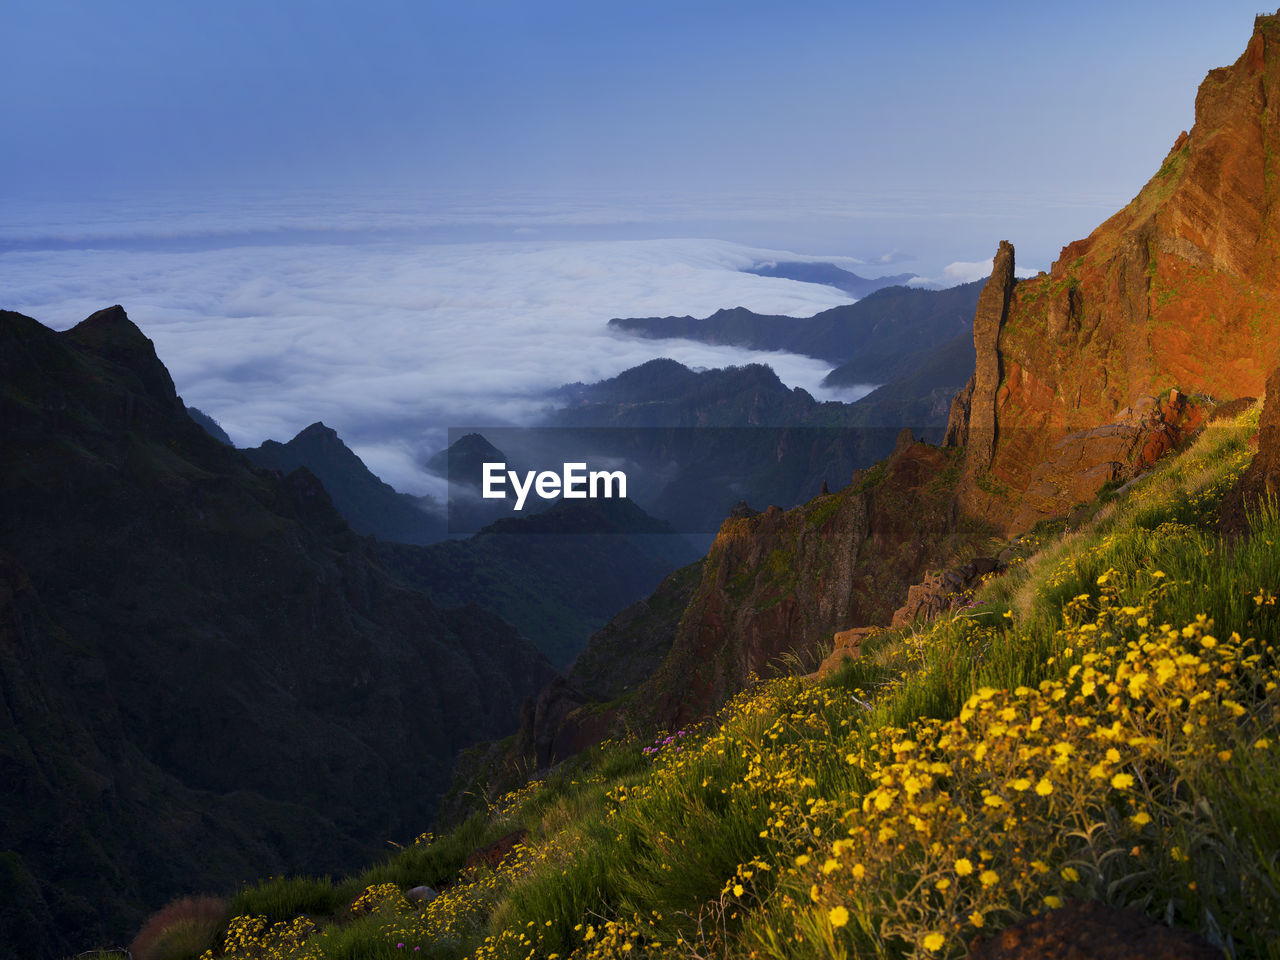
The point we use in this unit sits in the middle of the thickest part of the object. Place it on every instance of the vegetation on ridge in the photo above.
(1102, 723)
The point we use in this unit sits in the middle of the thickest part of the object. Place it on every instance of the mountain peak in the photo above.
(318, 431)
(111, 335)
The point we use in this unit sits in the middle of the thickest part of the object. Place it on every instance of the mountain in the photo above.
(1176, 296)
(901, 329)
(464, 459)
(557, 575)
(828, 274)
(875, 339)
(205, 674)
(700, 441)
(921, 397)
(665, 394)
(369, 505)
(211, 426)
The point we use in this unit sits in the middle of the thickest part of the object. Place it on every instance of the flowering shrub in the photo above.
(665, 740)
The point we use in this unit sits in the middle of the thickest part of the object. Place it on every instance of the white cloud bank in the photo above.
(391, 342)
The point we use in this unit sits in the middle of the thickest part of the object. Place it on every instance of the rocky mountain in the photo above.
(828, 274)
(873, 340)
(1179, 291)
(369, 505)
(205, 675)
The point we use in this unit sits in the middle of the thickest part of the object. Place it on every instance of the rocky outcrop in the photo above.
(1179, 290)
(1262, 478)
(779, 584)
(846, 645)
(988, 320)
(941, 592)
(1082, 464)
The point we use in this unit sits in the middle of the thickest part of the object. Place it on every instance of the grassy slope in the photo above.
(1102, 723)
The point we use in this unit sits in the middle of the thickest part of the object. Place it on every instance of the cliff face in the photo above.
(780, 583)
(204, 674)
(1179, 290)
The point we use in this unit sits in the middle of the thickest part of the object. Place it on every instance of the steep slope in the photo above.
(368, 504)
(778, 584)
(1180, 289)
(204, 675)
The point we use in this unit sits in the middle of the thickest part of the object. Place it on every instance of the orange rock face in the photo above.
(1180, 289)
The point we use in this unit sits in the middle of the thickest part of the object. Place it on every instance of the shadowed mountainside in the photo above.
(204, 674)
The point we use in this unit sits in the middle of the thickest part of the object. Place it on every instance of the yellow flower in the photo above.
(964, 867)
(838, 916)
(934, 941)
(802, 860)
(1022, 783)
(989, 878)
(1069, 873)
(859, 871)
(1141, 818)
(1052, 902)
(977, 919)
(1044, 787)
(1122, 781)
(737, 889)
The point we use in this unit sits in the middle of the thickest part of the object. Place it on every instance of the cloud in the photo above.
(391, 342)
(966, 271)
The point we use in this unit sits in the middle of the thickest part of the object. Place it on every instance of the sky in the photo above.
(949, 110)
(389, 215)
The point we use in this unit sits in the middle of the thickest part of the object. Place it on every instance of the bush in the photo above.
(181, 931)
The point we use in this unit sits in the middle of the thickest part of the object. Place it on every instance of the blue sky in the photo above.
(688, 97)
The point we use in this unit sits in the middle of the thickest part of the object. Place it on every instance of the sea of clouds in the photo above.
(272, 322)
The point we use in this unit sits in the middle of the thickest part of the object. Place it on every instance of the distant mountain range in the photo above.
(890, 326)
(829, 275)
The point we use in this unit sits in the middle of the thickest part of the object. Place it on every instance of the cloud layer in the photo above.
(392, 341)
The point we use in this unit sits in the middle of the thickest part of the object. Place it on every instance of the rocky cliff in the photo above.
(1179, 291)
(776, 585)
